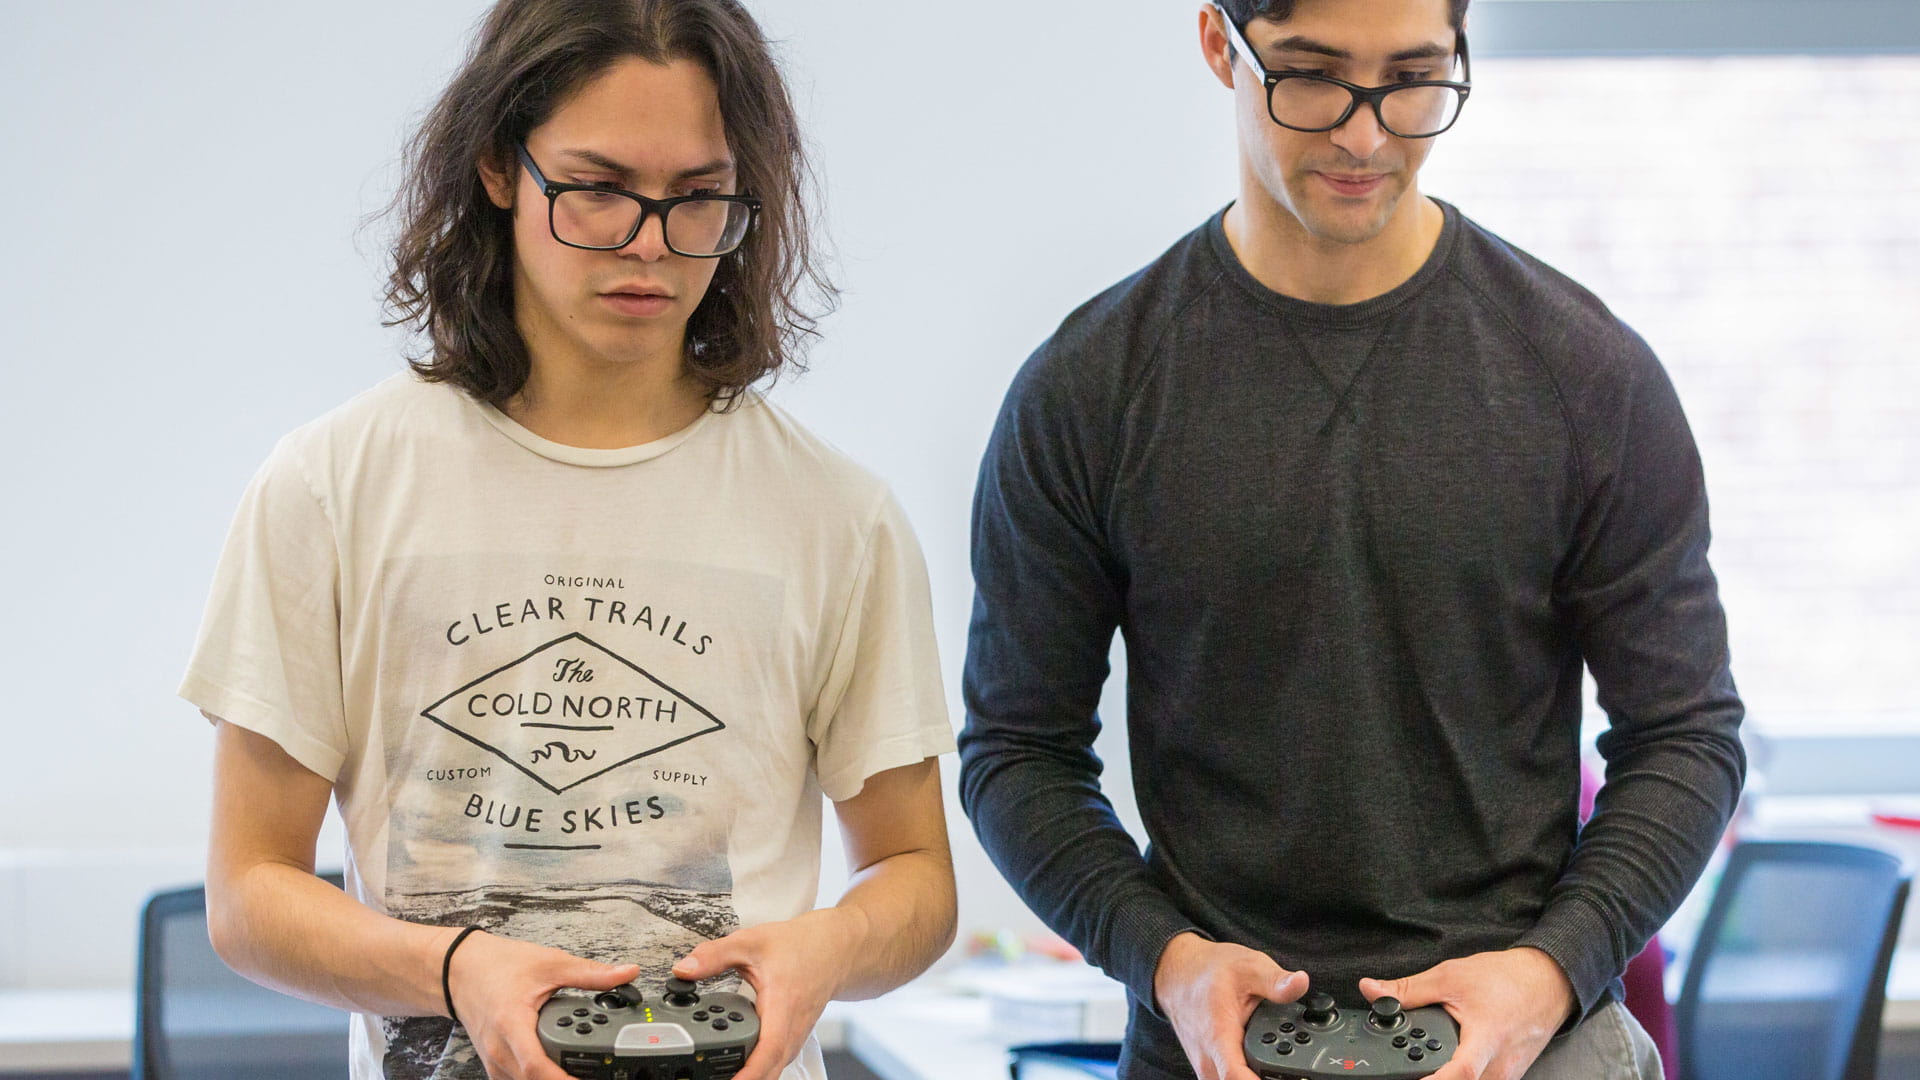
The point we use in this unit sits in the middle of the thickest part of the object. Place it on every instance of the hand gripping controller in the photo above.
(1314, 1038)
(624, 1034)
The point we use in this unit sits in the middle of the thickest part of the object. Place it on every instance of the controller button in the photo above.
(1269, 1038)
(1302, 1038)
(719, 1025)
(1288, 1026)
(1283, 1049)
(1433, 1044)
(581, 1012)
(599, 1018)
(736, 1017)
(1399, 1041)
(1415, 1054)
(701, 1015)
(1418, 1033)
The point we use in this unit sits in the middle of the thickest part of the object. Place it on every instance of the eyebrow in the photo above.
(1298, 43)
(602, 161)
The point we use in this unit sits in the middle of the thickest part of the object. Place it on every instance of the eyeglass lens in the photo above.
(1410, 112)
(605, 219)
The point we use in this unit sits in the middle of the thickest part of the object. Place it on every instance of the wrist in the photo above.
(1175, 956)
(850, 927)
(1552, 975)
(459, 940)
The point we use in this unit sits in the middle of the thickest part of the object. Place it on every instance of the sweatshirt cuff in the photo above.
(1581, 940)
(1142, 927)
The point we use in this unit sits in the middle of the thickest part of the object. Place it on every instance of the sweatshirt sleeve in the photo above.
(1640, 596)
(1048, 598)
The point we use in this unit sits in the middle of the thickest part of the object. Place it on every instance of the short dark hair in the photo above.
(1243, 12)
(453, 259)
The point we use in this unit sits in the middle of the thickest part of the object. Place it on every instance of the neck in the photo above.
(605, 403)
(1284, 256)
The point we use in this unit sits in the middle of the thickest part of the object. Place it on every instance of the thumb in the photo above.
(1289, 987)
(710, 958)
(593, 975)
(1412, 992)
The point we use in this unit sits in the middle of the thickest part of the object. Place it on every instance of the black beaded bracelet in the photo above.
(446, 971)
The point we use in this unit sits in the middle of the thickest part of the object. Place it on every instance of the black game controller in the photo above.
(1314, 1038)
(623, 1034)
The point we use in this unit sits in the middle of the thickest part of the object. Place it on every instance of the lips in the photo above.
(638, 300)
(1353, 183)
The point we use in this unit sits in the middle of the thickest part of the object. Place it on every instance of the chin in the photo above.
(1350, 223)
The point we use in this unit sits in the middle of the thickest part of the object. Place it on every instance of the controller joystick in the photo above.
(1386, 1015)
(620, 997)
(680, 992)
(1316, 1039)
(620, 1034)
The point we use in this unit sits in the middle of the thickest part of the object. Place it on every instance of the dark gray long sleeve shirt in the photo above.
(1358, 555)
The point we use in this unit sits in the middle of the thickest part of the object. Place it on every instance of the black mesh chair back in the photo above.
(194, 1019)
(1789, 973)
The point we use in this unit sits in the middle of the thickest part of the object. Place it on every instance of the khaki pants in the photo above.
(1609, 1045)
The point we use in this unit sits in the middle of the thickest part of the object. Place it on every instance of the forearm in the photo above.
(901, 911)
(1662, 811)
(280, 926)
(1054, 836)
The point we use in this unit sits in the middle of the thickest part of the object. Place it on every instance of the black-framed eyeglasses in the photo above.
(606, 217)
(1307, 101)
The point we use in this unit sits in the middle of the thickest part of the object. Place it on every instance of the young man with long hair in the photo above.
(574, 626)
(1365, 489)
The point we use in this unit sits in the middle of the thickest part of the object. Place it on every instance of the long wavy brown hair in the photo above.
(453, 260)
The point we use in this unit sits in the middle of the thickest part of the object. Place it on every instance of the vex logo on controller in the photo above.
(569, 711)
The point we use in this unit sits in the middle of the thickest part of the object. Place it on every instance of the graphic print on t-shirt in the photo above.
(553, 788)
(569, 711)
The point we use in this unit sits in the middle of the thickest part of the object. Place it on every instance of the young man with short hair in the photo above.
(574, 626)
(1364, 488)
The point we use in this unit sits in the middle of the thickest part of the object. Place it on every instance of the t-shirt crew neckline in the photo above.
(1334, 316)
(583, 456)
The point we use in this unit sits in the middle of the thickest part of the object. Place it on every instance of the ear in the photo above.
(1213, 44)
(499, 183)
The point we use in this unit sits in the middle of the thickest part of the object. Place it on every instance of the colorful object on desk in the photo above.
(1010, 948)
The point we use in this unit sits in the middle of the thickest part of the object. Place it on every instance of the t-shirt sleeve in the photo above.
(268, 653)
(881, 705)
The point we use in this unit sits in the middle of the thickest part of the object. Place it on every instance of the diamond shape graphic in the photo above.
(569, 711)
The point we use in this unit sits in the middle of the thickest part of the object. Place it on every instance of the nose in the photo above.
(1362, 134)
(650, 243)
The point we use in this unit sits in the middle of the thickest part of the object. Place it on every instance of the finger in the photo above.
(1229, 1051)
(1290, 986)
(1230, 1063)
(594, 975)
(710, 958)
(771, 1054)
(1412, 992)
(1471, 1061)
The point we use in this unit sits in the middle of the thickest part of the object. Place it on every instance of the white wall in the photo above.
(182, 281)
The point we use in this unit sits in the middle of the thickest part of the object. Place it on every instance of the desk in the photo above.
(66, 1030)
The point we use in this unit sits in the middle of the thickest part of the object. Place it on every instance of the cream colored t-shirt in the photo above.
(585, 698)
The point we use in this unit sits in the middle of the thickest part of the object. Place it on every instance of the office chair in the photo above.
(194, 1019)
(1789, 972)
